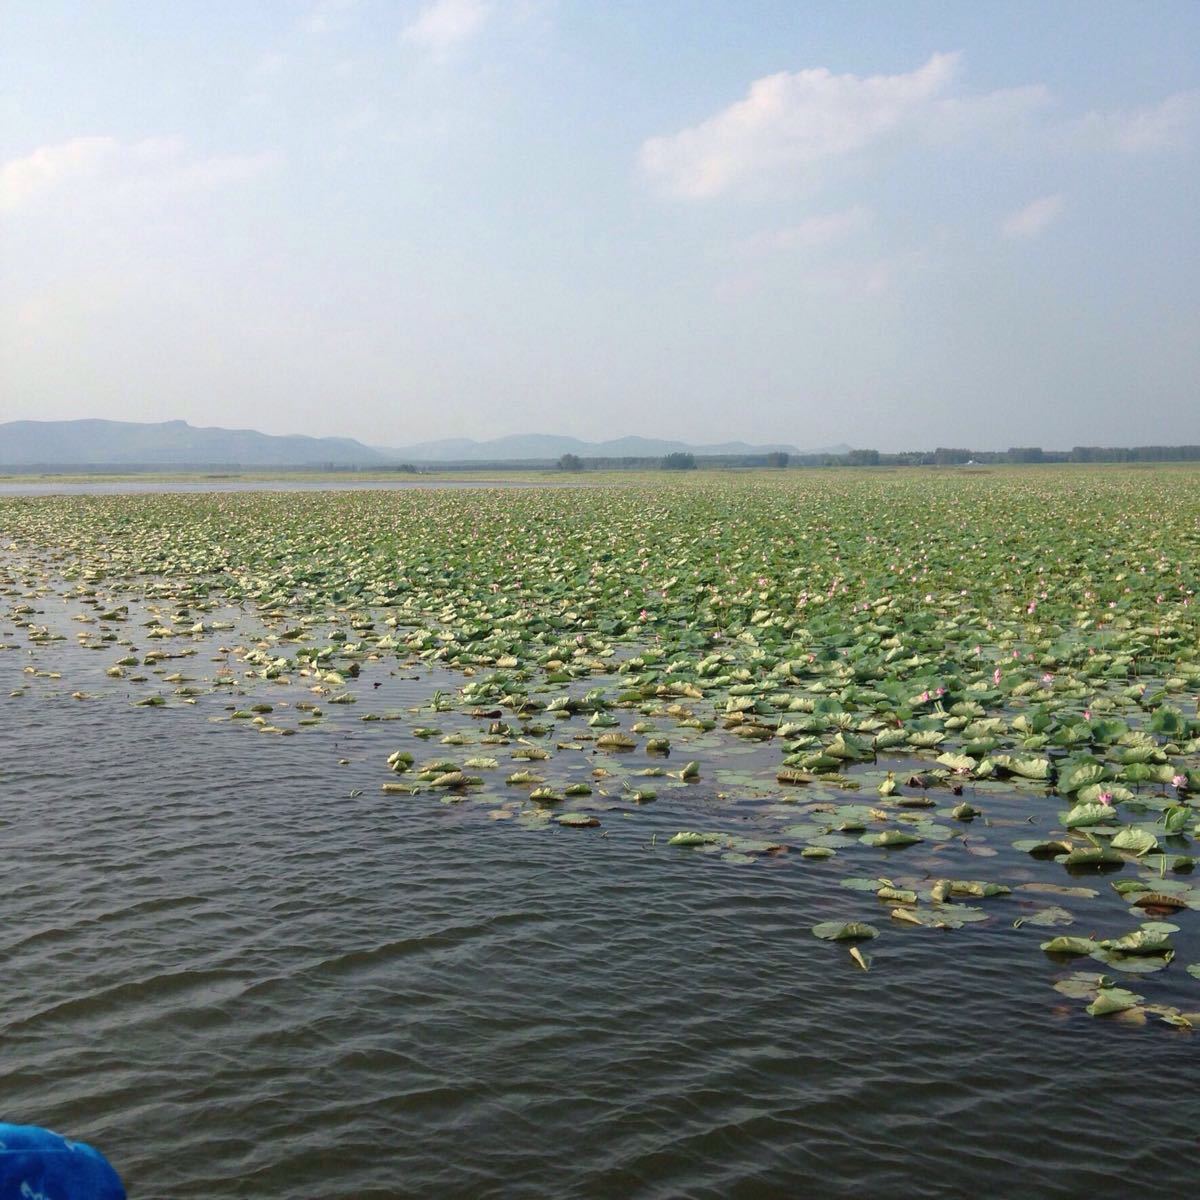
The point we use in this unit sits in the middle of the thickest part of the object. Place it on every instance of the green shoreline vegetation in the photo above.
(935, 673)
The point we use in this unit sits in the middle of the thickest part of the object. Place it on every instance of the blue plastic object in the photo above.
(36, 1164)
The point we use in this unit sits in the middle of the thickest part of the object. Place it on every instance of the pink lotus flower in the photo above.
(996, 675)
(1106, 799)
(1179, 781)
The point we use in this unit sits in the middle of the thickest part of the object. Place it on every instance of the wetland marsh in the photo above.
(725, 835)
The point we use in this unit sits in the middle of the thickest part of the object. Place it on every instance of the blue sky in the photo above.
(893, 225)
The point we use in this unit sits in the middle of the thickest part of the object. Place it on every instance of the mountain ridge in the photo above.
(99, 442)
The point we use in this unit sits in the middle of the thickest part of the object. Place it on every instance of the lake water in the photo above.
(241, 970)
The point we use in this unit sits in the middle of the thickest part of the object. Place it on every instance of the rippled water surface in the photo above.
(240, 969)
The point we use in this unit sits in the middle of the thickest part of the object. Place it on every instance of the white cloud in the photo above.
(1133, 131)
(818, 231)
(1034, 218)
(792, 124)
(23, 179)
(445, 24)
(156, 165)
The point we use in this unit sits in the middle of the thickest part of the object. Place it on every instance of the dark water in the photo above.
(241, 980)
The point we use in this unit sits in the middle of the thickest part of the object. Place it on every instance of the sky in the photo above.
(890, 225)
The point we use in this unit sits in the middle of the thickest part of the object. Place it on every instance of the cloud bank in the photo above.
(793, 124)
(790, 128)
(160, 164)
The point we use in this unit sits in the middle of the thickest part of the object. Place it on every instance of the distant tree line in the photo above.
(676, 461)
(945, 456)
(942, 456)
(679, 461)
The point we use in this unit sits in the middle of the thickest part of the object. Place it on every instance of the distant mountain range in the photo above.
(177, 444)
(168, 444)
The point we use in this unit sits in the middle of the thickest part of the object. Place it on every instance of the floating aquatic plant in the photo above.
(906, 674)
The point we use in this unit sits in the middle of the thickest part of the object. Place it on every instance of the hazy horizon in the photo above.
(890, 226)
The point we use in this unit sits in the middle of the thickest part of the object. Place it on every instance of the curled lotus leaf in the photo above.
(845, 931)
(1139, 941)
(615, 741)
(1136, 841)
(1076, 946)
(957, 762)
(577, 820)
(1092, 792)
(1111, 1000)
(977, 888)
(894, 839)
(688, 837)
(1081, 775)
(1159, 900)
(1026, 766)
(1092, 856)
(1042, 848)
(1084, 815)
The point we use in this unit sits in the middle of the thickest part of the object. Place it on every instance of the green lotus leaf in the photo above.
(1083, 815)
(893, 838)
(1082, 775)
(688, 838)
(1111, 1000)
(1078, 946)
(845, 931)
(1139, 941)
(1091, 856)
(1137, 841)
(1049, 917)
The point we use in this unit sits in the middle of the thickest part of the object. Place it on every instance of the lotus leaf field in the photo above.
(950, 699)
